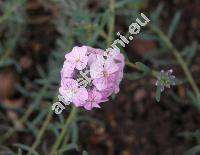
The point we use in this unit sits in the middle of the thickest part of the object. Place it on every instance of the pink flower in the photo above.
(118, 77)
(112, 54)
(101, 71)
(93, 54)
(94, 98)
(71, 93)
(67, 70)
(106, 93)
(102, 77)
(77, 57)
(119, 60)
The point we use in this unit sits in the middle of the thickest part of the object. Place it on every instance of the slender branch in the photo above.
(111, 23)
(64, 129)
(42, 130)
(130, 64)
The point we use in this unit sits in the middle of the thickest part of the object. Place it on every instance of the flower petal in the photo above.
(111, 67)
(101, 83)
(80, 97)
(69, 83)
(65, 94)
(94, 98)
(82, 63)
(67, 70)
(96, 70)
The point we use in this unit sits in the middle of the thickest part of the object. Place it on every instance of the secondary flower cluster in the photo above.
(102, 76)
(165, 79)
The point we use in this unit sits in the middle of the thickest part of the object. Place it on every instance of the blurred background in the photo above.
(36, 34)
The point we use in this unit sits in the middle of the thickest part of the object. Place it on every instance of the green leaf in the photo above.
(122, 3)
(197, 136)
(19, 152)
(173, 25)
(133, 76)
(6, 150)
(25, 147)
(32, 128)
(158, 93)
(193, 98)
(68, 147)
(84, 153)
(129, 4)
(156, 14)
(143, 67)
(22, 90)
(193, 151)
(189, 52)
(147, 36)
(39, 118)
(164, 62)
(74, 133)
(178, 81)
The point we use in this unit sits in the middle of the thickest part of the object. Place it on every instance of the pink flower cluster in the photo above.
(105, 73)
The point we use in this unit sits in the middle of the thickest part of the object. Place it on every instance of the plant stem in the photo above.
(180, 60)
(64, 129)
(112, 23)
(42, 130)
(132, 65)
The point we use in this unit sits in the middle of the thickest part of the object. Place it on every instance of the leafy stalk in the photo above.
(179, 58)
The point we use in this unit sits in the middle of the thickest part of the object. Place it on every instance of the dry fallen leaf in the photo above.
(140, 94)
(25, 62)
(8, 81)
(182, 91)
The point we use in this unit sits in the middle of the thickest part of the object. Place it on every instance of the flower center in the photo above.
(105, 73)
(77, 60)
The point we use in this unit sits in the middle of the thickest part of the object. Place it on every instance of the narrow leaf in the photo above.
(193, 151)
(74, 133)
(189, 52)
(68, 147)
(197, 136)
(156, 14)
(173, 25)
(193, 98)
(84, 153)
(158, 93)
(142, 67)
(133, 76)
(27, 148)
